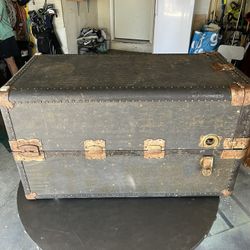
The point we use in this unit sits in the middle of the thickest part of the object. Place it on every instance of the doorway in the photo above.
(132, 20)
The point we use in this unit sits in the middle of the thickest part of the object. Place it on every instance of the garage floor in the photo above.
(230, 231)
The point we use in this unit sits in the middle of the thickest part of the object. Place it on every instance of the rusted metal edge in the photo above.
(236, 143)
(95, 149)
(31, 196)
(233, 154)
(237, 148)
(222, 66)
(4, 97)
(27, 150)
(226, 192)
(240, 94)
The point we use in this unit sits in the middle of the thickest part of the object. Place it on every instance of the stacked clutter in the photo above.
(206, 40)
(227, 25)
(92, 40)
(43, 29)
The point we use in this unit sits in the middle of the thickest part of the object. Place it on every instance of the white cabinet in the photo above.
(173, 23)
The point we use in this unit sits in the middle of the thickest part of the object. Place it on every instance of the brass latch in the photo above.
(27, 150)
(207, 163)
(95, 150)
(154, 149)
(235, 148)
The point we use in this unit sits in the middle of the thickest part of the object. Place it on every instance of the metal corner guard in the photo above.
(240, 94)
(4, 97)
(222, 66)
(235, 148)
(31, 196)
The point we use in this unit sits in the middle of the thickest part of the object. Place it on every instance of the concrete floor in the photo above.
(231, 230)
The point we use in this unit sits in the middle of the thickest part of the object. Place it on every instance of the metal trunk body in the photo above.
(127, 125)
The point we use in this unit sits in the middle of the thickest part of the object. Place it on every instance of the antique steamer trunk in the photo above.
(127, 125)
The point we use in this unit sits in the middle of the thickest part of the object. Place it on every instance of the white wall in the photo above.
(201, 6)
(75, 21)
(103, 14)
(69, 25)
(103, 10)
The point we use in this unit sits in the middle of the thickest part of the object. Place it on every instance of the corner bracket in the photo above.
(240, 94)
(4, 97)
(31, 196)
(222, 66)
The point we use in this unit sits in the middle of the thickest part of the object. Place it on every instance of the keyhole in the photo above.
(210, 141)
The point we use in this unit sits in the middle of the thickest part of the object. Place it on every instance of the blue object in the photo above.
(204, 42)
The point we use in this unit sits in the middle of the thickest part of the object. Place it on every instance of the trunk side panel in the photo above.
(124, 126)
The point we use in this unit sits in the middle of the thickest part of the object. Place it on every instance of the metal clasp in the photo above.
(27, 150)
(95, 150)
(207, 163)
(154, 149)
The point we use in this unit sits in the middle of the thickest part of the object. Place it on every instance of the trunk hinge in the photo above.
(27, 150)
(235, 148)
(4, 97)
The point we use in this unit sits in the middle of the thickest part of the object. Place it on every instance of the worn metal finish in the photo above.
(27, 150)
(223, 66)
(31, 196)
(123, 102)
(207, 163)
(154, 149)
(233, 154)
(235, 148)
(236, 143)
(95, 150)
(210, 141)
(240, 94)
(4, 98)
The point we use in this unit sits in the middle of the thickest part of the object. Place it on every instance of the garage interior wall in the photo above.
(68, 23)
(201, 9)
(75, 20)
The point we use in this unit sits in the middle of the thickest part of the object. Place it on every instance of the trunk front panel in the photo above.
(177, 174)
(124, 125)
